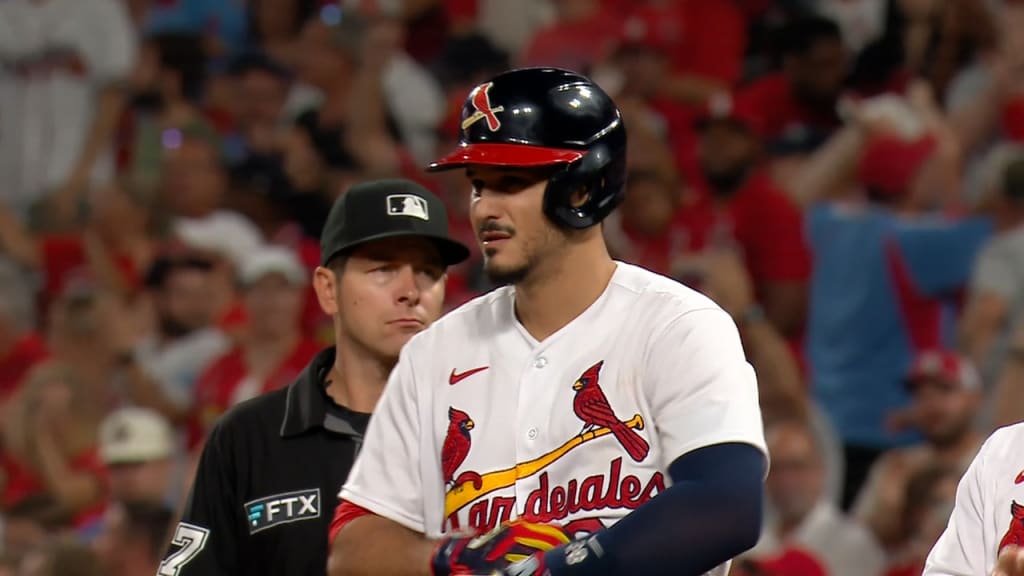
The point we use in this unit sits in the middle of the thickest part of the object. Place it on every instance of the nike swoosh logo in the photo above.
(1020, 478)
(454, 378)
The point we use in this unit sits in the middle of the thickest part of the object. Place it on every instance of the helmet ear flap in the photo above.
(597, 171)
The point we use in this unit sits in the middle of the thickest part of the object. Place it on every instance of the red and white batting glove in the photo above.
(489, 553)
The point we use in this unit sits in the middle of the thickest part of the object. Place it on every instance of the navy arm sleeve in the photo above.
(710, 514)
(205, 542)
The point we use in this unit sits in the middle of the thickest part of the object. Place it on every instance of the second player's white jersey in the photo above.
(481, 423)
(989, 512)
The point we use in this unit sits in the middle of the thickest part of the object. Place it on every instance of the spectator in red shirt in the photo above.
(50, 443)
(576, 40)
(20, 347)
(272, 350)
(738, 206)
(804, 95)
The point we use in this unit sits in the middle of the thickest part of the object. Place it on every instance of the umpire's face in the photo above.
(383, 293)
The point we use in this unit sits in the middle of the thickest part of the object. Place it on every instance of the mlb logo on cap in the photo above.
(407, 205)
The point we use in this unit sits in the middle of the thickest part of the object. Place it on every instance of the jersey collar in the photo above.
(306, 405)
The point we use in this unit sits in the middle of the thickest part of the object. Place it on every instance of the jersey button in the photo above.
(540, 362)
(531, 433)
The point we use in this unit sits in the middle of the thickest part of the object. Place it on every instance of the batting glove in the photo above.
(489, 553)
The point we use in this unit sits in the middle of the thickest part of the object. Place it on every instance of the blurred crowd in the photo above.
(845, 177)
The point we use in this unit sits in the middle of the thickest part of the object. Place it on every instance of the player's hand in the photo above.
(493, 551)
(1011, 562)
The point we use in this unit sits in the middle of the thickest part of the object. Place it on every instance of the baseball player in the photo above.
(985, 534)
(588, 417)
(271, 463)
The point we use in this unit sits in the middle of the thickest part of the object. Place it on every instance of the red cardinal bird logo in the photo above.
(591, 406)
(456, 447)
(1015, 534)
(481, 101)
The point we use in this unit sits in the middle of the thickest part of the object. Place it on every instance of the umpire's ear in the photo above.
(325, 283)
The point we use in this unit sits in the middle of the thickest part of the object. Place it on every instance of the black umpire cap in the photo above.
(386, 209)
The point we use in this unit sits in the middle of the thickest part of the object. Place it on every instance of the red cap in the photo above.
(889, 163)
(723, 106)
(946, 365)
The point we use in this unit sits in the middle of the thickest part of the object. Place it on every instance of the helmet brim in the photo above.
(495, 154)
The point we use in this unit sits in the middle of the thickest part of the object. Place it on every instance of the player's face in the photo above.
(387, 292)
(796, 479)
(943, 410)
(506, 211)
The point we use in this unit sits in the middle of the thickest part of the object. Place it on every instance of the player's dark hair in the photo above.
(800, 35)
(149, 521)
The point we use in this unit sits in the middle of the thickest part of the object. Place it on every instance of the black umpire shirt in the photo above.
(267, 484)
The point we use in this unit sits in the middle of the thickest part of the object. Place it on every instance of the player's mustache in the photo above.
(492, 226)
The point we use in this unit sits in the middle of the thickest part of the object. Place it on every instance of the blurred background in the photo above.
(845, 177)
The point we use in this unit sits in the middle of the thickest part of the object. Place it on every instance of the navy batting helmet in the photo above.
(548, 117)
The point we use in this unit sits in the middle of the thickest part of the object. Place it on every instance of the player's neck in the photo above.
(563, 288)
(358, 377)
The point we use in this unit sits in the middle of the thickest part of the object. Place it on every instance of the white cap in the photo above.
(223, 232)
(132, 435)
(271, 259)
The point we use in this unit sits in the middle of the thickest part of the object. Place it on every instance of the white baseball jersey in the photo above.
(481, 423)
(989, 511)
(54, 57)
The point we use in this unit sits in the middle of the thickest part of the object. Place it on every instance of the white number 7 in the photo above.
(190, 540)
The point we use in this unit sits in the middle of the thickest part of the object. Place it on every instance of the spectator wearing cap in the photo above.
(945, 395)
(223, 238)
(995, 297)
(798, 514)
(888, 270)
(272, 350)
(738, 207)
(384, 252)
(138, 447)
(133, 536)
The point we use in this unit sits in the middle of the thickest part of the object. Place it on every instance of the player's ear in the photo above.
(325, 284)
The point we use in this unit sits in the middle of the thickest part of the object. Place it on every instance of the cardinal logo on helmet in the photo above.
(481, 100)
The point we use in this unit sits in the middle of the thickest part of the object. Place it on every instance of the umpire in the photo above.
(267, 478)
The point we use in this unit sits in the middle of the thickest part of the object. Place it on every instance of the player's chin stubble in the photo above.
(504, 275)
